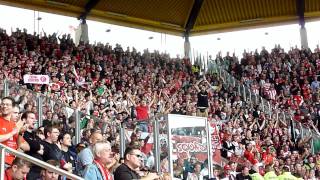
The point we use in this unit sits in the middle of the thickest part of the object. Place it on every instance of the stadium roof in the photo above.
(177, 16)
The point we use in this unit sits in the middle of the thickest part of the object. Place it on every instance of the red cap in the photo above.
(227, 167)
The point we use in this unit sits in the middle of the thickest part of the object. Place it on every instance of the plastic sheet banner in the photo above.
(215, 143)
(185, 147)
(36, 79)
(189, 139)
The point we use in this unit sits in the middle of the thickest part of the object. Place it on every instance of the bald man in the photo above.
(86, 155)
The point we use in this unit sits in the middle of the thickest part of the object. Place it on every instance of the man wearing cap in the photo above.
(227, 173)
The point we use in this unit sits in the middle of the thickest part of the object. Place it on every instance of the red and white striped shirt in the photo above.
(272, 94)
(255, 88)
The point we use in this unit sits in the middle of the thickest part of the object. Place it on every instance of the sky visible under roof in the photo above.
(287, 36)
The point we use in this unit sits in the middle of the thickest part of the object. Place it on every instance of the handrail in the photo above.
(4, 149)
(44, 95)
(265, 110)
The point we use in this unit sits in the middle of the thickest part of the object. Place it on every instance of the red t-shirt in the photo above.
(250, 156)
(5, 128)
(142, 112)
(298, 98)
(7, 175)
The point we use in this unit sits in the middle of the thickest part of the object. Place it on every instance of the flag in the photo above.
(54, 86)
(72, 29)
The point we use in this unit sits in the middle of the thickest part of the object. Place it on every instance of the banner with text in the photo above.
(36, 79)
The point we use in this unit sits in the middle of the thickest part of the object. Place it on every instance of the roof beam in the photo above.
(300, 12)
(193, 16)
(87, 8)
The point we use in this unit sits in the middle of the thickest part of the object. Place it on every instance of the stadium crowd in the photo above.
(113, 87)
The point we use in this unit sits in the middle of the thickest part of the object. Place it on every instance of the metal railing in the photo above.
(266, 107)
(221, 67)
(40, 100)
(154, 123)
(4, 149)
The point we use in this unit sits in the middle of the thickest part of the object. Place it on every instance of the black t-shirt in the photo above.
(51, 152)
(203, 99)
(123, 172)
(242, 177)
(178, 111)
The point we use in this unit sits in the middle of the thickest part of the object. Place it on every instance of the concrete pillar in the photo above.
(187, 47)
(304, 37)
(81, 33)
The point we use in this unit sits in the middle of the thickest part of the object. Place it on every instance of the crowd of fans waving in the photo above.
(112, 87)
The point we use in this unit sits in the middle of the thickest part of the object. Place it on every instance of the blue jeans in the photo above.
(143, 126)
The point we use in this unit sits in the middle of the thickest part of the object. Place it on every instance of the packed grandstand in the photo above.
(114, 87)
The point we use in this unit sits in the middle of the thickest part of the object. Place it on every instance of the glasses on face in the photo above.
(138, 155)
(6, 104)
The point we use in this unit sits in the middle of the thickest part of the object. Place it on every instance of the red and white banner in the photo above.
(186, 146)
(36, 79)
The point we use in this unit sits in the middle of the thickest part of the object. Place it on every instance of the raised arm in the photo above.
(262, 125)
(251, 126)
(276, 124)
(170, 108)
(197, 85)
(131, 100)
(153, 100)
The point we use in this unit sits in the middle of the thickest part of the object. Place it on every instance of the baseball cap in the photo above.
(227, 167)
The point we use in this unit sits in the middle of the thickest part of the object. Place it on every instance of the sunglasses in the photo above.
(138, 155)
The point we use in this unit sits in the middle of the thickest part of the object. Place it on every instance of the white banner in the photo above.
(178, 121)
(36, 79)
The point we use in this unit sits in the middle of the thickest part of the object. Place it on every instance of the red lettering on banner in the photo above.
(43, 79)
(36, 79)
(191, 147)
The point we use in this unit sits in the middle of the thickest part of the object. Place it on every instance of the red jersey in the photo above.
(299, 99)
(250, 157)
(142, 112)
(5, 128)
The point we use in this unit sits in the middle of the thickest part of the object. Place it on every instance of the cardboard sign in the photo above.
(36, 79)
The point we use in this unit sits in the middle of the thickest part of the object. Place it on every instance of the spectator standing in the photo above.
(202, 104)
(36, 148)
(86, 156)
(9, 131)
(69, 160)
(15, 113)
(51, 146)
(142, 112)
